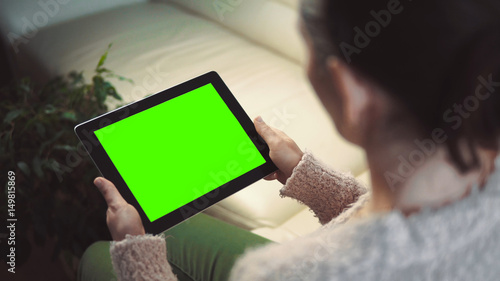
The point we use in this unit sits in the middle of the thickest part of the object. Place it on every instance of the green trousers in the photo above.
(201, 248)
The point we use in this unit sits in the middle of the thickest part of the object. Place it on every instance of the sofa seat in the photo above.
(160, 44)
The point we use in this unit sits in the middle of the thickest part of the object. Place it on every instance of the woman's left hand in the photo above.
(121, 217)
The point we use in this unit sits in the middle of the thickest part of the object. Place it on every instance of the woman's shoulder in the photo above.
(330, 250)
(436, 244)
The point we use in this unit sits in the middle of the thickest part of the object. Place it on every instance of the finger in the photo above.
(266, 132)
(271, 177)
(108, 190)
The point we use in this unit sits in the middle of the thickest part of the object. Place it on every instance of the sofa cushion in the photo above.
(303, 223)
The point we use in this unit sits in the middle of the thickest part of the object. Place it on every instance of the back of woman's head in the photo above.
(439, 59)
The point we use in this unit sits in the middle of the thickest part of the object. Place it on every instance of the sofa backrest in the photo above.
(21, 17)
(272, 23)
(291, 3)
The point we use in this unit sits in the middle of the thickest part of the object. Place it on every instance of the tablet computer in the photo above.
(177, 152)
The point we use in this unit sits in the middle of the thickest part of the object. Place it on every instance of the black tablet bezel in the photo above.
(85, 132)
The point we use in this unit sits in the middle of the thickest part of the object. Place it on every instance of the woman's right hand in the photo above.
(283, 151)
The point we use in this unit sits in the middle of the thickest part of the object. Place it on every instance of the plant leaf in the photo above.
(47, 142)
(119, 77)
(77, 77)
(13, 115)
(111, 91)
(102, 60)
(103, 70)
(64, 147)
(99, 89)
(49, 109)
(37, 167)
(24, 167)
(40, 128)
(24, 88)
(69, 115)
(103, 57)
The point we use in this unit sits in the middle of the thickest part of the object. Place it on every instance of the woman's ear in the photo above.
(356, 96)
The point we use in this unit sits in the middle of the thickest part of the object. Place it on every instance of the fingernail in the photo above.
(98, 182)
(259, 119)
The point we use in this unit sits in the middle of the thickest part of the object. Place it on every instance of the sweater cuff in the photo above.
(141, 257)
(325, 191)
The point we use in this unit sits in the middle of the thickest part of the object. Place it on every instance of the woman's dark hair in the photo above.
(439, 58)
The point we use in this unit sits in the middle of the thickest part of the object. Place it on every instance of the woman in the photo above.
(416, 85)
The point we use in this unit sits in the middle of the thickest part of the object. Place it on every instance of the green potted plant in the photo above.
(53, 200)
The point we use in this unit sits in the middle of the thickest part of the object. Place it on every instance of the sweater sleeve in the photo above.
(326, 192)
(141, 258)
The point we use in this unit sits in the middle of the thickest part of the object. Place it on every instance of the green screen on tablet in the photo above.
(179, 150)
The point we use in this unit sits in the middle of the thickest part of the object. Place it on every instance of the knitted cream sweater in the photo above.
(458, 242)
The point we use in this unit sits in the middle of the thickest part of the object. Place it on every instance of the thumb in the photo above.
(108, 190)
(266, 132)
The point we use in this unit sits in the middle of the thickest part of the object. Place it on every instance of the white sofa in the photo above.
(254, 45)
